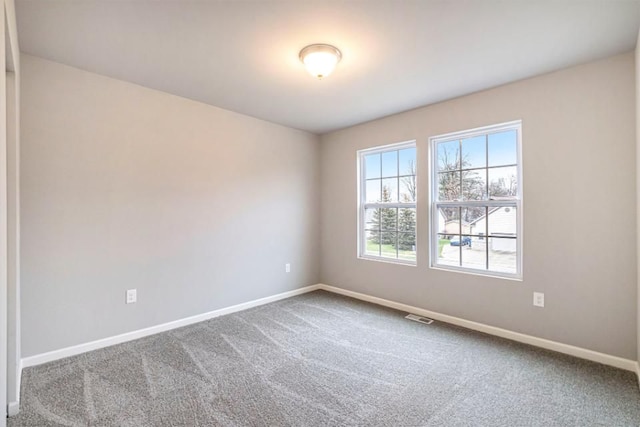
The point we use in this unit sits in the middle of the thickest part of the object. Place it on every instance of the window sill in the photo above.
(388, 260)
(490, 274)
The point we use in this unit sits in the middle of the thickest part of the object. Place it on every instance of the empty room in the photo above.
(320, 213)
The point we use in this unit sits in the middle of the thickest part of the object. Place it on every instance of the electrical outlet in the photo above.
(132, 296)
(287, 268)
(538, 299)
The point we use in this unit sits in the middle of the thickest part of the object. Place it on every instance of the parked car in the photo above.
(455, 241)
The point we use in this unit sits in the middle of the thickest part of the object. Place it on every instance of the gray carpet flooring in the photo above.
(325, 360)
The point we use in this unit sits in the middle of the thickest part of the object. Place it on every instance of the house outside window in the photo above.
(476, 201)
(387, 203)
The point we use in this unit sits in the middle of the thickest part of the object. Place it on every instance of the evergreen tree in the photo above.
(407, 229)
(384, 220)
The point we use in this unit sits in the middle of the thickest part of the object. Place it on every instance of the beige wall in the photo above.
(579, 209)
(638, 182)
(126, 187)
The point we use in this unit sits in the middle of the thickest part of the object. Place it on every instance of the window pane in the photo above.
(408, 189)
(503, 221)
(448, 254)
(503, 148)
(502, 255)
(477, 221)
(407, 246)
(407, 220)
(443, 240)
(474, 184)
(390, 190)
(371, 219)
(381, 219)
(469, 217)
(407, 161)
(372, 166)
(372, 239)
(449, 220)
(390, 164)
(449, 186)
(448, 155)
(373, 191)
(387, 218)
(388, 242)
(503, 182)
(474, 152)
(474, 253)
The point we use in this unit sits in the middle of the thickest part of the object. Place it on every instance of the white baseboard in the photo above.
(606, 359)
(39, 359)
(582, 353)
(13, 408)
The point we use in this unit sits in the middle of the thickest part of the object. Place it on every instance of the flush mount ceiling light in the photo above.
(320, 59)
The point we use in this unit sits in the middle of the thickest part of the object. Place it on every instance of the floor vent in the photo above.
(420, 319)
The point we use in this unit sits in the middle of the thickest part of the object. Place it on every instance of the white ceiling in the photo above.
(397, 54)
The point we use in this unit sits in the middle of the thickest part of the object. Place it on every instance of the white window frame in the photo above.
(363, 205)
(514, 202)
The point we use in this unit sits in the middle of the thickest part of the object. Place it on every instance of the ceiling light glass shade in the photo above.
(320, 59)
